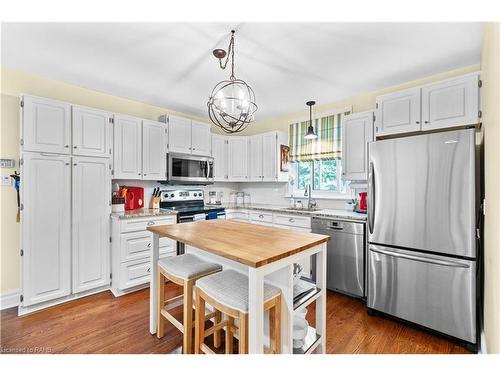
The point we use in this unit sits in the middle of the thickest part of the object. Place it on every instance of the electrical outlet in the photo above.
(6, 181)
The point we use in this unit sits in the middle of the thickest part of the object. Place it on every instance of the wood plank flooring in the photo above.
(104, 324)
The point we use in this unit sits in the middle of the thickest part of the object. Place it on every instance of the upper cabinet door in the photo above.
(154, 150)
(238, 158)
(46, 125)
(91, 225)
(270, 156)
(91, 132)
(127, 150)
(200, 138)
(398, 112)
(219, 153)
(453, 102)
(357, 132)
(46, 227)
(255, 158)
(179, 134)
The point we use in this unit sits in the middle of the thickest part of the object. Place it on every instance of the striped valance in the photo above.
(328, 145)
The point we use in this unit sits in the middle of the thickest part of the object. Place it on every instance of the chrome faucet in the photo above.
(311, 203)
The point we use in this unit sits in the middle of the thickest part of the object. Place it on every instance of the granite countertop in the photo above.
(143, 212)
(321, 213)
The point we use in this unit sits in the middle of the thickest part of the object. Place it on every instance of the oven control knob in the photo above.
(171, 195)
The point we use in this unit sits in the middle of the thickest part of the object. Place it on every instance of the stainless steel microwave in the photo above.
(190, 169)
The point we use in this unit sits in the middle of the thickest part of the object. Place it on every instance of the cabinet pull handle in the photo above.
(291, 220)
(149, 244)
(150, 223)
(149, 270)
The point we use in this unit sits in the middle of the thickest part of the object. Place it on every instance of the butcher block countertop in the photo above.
(251, 244)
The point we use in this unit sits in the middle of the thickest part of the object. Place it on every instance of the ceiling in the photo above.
(171, 64)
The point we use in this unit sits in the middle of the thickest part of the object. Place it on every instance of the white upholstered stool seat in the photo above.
(188, 266)
(230, 288)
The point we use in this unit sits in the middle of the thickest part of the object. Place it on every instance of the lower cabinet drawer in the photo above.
(292, 221)
(135, 245)
(264, 217)
(135, 273)
(131, 225)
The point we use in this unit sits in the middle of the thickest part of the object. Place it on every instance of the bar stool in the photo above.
(182, 270)
(227, 292)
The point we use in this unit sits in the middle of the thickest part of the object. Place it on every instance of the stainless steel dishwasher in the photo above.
(345, 259)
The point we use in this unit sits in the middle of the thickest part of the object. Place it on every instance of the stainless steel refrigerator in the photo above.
(422, 231)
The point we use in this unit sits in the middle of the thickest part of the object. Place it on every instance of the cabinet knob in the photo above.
(291, 220)
(145, 174)
(149, 244)
(66, 146)
(261, 216)
(150, 223)
(74, 163)
(139, 174)
(149, 270)
(74, 146)
(418, 122)
(426, 122)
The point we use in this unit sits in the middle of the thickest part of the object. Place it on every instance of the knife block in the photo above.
(154, 203)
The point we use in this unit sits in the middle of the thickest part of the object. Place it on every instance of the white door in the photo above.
(270, 156)
(398, 112)
(179, 134)
(46, 125)
(238, 158)
(45, 227)
(255, 158)
(154, 150)
(127, 150)
(91, 132)
(91, 223)
(200, 138)
(453, 102)
(357, 132)
(219, 153)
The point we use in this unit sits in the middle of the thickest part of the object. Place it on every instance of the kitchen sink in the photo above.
(303, 209)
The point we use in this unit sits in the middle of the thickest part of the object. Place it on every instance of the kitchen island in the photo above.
(263, 253)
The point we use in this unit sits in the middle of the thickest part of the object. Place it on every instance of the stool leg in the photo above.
(243, 344)
(160, 305)
(199, 321)
(217, 334)
(229, 335)
(275, 326)
(187, 344)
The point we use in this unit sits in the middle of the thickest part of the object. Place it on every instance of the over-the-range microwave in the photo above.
(190, 169)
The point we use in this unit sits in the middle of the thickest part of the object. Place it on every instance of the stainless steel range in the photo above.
(190, 206)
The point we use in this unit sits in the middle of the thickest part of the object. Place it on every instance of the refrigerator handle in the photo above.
(371, 197)
(418, 258)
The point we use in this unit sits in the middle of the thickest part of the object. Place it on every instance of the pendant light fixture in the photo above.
(231, 104)
(310, 129)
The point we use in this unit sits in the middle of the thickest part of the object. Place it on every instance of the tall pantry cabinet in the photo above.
(65, 207)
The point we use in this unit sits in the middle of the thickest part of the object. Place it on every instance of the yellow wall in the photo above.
(359, 103)
(490, 98)
(15, 83)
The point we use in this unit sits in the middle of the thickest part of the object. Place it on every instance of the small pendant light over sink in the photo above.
(310, 129)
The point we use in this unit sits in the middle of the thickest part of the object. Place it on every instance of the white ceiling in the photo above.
(171, 64)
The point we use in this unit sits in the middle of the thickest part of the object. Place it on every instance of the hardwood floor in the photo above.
(104, 324)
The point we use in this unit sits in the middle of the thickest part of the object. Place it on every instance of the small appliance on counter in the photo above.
(214, 197)
(134, 197)
(361, 206)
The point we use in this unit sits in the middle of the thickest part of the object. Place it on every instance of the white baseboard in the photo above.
(483, 349)
(9, 299)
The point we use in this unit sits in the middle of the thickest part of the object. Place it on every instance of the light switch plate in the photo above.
(6, 180)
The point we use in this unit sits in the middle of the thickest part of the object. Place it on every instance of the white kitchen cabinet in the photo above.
(46, 125)
(127, 150)
(45, 227)
(238, 158)
(179, 134)
(220, 153)
(200, 138)
(90, 223)
(449, 103)
(154, 150)
(255, 158)
(270, 155)
(357, 132)
(91, 132)
(398, 112)
(131, 249)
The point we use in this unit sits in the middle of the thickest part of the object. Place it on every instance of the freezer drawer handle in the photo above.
(419, 259)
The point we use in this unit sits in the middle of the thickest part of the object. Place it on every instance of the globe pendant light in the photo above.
(310, 129)
(231, 104)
